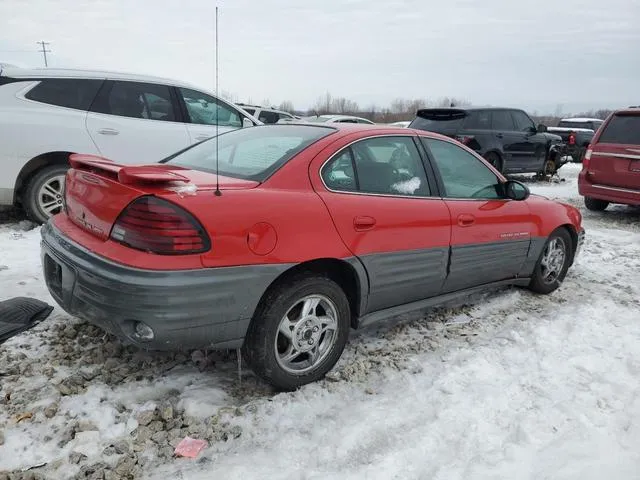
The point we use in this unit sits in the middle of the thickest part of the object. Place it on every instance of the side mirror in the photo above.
(246, 123)
(515, 190)
(542, 128)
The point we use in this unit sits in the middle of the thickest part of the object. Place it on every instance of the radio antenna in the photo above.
(217, 192)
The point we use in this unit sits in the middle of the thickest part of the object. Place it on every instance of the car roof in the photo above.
(581, 119)
(339, 117)
(27, 73)
(628, 111)
(348, 128)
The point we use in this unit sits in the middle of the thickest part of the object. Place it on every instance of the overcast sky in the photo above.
(535, 54)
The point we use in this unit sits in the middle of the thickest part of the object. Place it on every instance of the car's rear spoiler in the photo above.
(441, 113)
(127, 174)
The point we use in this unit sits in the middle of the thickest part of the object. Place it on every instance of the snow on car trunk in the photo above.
(513, 385)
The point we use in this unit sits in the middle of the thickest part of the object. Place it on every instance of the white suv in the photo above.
(269, 115)
(47, 114)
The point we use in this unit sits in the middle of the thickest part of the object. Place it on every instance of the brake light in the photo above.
(572, 138)
(464, 139)
(587, 158)
(158, 226)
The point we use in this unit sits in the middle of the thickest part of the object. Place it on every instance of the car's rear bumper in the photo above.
(608, 193)
(204, 308)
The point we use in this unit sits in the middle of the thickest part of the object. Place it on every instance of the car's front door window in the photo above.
(463, 175)
(522, 121)
(203, 109)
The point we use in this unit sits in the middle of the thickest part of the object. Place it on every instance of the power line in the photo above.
(44, 51)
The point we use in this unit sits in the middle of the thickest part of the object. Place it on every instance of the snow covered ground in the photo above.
(512, 385)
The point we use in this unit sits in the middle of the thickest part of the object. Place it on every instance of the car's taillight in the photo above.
(572, 138)
(158, 226)
(464, 139)
(587, 158)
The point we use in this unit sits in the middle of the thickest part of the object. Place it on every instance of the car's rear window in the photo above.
(252, 153)
(77, 93)
(438, 122)
(622, 129)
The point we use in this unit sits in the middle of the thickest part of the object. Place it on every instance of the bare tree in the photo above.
(286, 106)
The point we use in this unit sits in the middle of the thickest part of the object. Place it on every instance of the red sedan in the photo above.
(305, 232)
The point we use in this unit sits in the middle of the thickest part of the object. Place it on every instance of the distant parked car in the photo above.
(577, 133)
(506, 137)
(611, 166)
(316, 229)
(268, 115)
(403, 124)
(48, 114)
(338, 119)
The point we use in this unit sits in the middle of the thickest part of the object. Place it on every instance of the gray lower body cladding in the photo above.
(205, 308)
(212, 307)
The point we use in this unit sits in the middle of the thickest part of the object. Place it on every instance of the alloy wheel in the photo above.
(306, 334)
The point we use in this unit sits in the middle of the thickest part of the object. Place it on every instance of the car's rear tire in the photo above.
(298, 331)
(554, 262)
(495, 160)
(595, 205)
(44, 194)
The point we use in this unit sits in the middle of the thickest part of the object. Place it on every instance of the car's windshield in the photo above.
(252, 153)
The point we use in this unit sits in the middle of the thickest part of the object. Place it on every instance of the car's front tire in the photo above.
(44, 195)
(553, 264)
(595, 205)
(298, 331)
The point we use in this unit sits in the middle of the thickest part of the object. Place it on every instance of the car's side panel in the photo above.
(493, 247)
(476, 264)
(403, 277)
(405, 250)
(29, 129)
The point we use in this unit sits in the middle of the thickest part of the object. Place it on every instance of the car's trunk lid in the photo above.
(98, 190)
(615, 157)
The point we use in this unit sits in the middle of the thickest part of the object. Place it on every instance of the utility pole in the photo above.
(44, 51)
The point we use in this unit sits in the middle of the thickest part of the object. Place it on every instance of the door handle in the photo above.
(202, 137)
(466, 220)
(363, 222)
(499, 135)
(108, 131)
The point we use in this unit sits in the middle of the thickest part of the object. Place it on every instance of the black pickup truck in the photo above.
(576, 134)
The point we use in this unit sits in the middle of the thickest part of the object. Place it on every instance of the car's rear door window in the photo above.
(148, 101)
(622, 129)
(66, 92)
(382, 165)
(478, 120)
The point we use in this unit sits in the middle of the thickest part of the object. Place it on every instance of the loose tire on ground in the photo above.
(267, 344)
(554, 261)
(595, 205)
(44, 194)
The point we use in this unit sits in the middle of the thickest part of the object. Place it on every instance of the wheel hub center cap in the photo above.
(306, 334)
